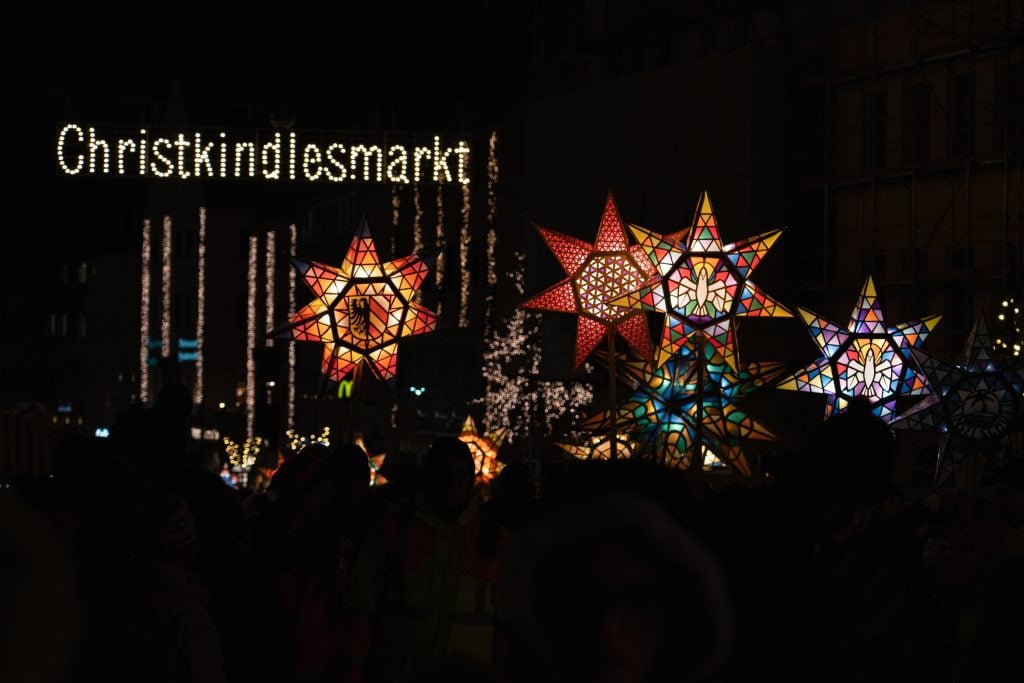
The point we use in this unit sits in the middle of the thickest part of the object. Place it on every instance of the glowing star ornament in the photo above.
(374, 461)
(484, 449)
(866, 359)
(599, 447)
(976, 402)
(361, 309)
(664, 408)
(702, 284)
(607, 269)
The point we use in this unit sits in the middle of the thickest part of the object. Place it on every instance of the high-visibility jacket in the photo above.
(423, 588)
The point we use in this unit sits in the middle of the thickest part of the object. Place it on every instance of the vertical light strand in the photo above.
(395, 206)
(144, 282)
(200, 306)
(292, 239)
(165, 290)
(441, 247)
(250, 340)
(464, 243)
(270, 273)
(492, 214)
(417, 232)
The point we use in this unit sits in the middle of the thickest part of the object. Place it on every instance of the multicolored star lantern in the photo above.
(866, 359)
(361, 309)
(599, 447)
(598, 272)
(374, 461)
(703, 284)
(663, 408)
(484, 449)
(976, 402)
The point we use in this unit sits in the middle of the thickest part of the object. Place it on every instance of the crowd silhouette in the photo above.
(133, 562)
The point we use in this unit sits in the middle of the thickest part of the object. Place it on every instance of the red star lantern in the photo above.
(607, 269)
(361, 309)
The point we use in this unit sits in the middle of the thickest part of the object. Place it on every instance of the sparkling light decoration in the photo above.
(605, 270)
(242, 456)
(417, 232)
(270, 273)
(492, 206)
(1009, 337)
(484, 448)
(296, 442)
(976, 402)
(396, 204)
(374, 461)
(866, 359)
(250, 339)
(165, 290)
(200, 307)
(703, 284)
(440, 241)
(464, 244)
(515, 397)
(663, 408)
(361, 309)
(144, 301)
(292, 243)
(599, 447)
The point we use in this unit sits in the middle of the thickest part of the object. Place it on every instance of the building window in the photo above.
(918, 124)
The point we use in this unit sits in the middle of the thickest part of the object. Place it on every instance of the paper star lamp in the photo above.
(663, 409)
(703, 285)
(484, 448)
(361, 309)
(374, 461)
(866, 359)
(599, 447)
(598, 272)
(976, 402)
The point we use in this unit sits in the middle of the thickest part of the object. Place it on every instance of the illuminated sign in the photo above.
(345, 388)
(83, 151)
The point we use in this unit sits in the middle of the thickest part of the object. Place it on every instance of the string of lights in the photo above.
(292, 243)
(250, 340)
(396, 204)
(165, 290)
(1008, 328)
(417, 233)
(440, 240)
(144, 280)
(492, 234)
(464, 244)
(200, 306)
(269, 269)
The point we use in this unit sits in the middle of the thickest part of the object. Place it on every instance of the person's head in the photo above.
(303, 482)
(448, 475)
(613, 590)
(350, 476)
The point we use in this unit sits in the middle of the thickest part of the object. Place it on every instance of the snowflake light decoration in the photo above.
(703, 284)
(976, 402)
(361, 309)
(866, 359)
(597, 273)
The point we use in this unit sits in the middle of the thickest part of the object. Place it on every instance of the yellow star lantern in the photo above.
(600, 447)
(484, 449)
(361, 309)
(607, 269)
(703, 284)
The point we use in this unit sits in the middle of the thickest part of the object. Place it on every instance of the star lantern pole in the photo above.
(702, 285)
(976, 403)
(595, 274)
(866, 359)
(361, 310)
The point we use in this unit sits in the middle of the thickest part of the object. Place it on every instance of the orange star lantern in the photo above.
(598, 272)
(703, 284)
(374, 461)
(484, 449)
(361, 309)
